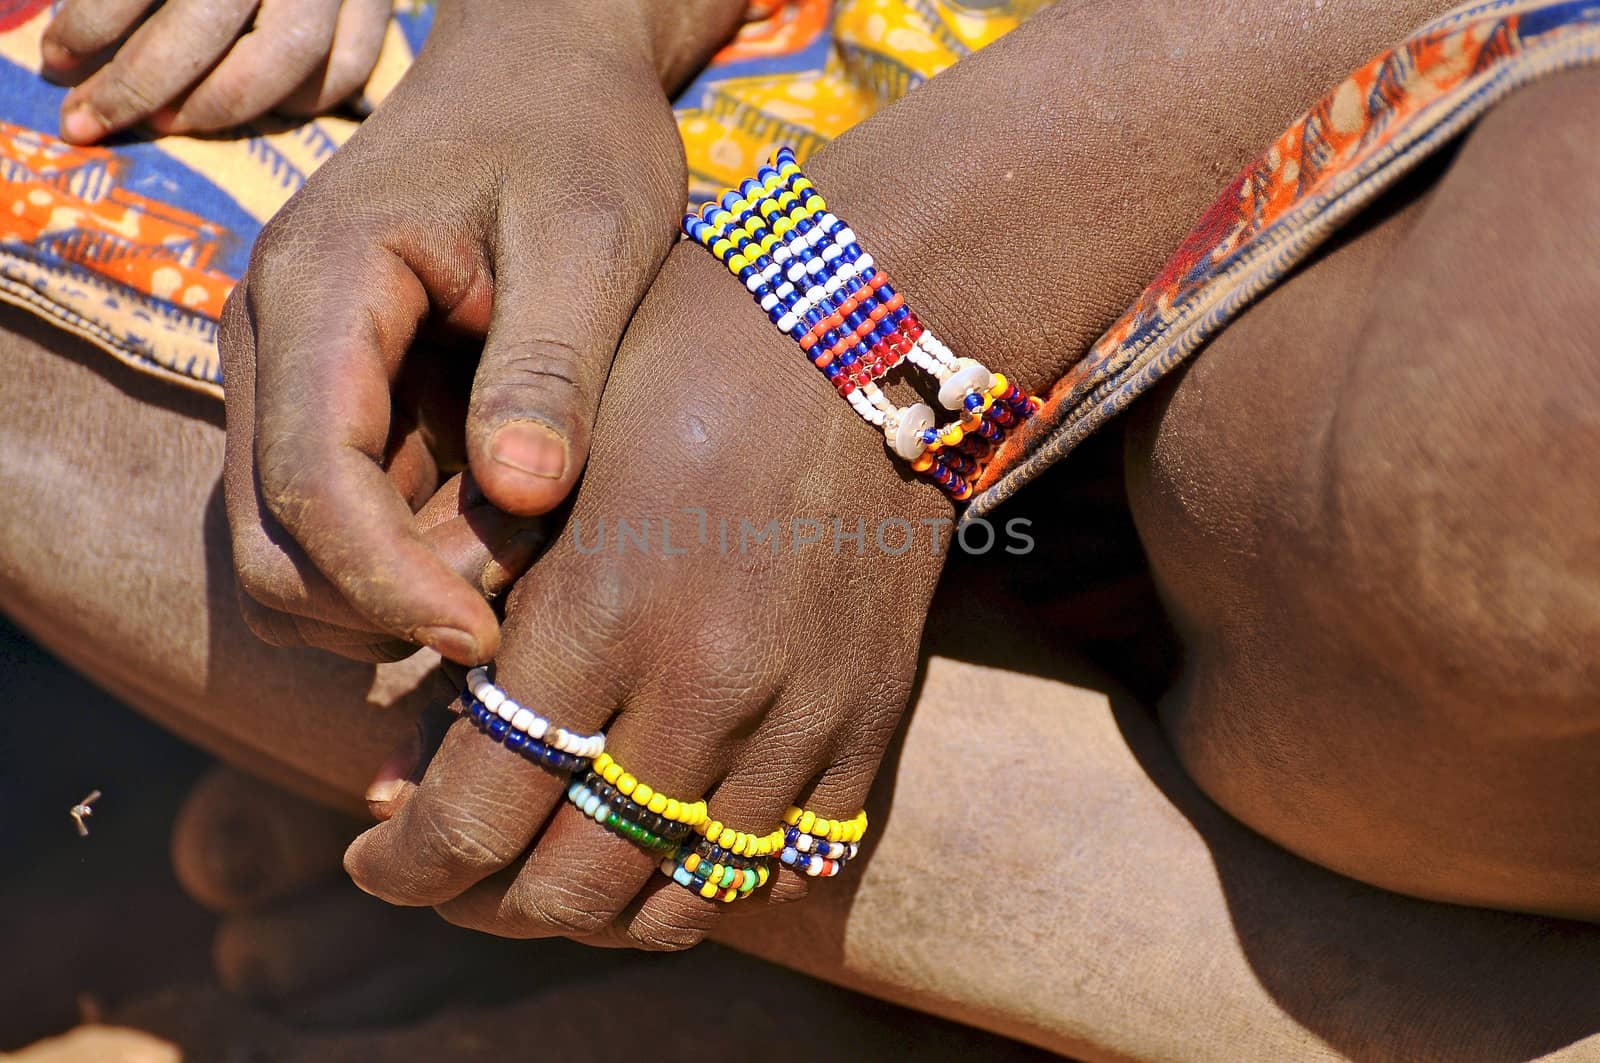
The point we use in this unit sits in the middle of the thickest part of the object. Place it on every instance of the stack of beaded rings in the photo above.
(524, 731)
(804, 268)
(717, 875)
(818, 846)
(601, 802)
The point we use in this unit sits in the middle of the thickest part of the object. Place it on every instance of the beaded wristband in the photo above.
(692, 813)
(802, 266)
(529, 722)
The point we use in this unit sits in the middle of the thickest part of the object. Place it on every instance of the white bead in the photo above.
(753, 281)
(831, 252)
(815, 266)
(816, 293)
(539, 726)
(491, 697)
(846, 272)
(969, 378)
(476, 678)
(796, 271)
(827, 220)
(787, 322)
(768, 301)
(914, 420)
(783, 290)
(815, 236)
(797, 245)
(770, 272)
(508, 709)
(846, 237)
(834, 284)
(864, 262)
(780, 255)
(523, 720)
(559, 739)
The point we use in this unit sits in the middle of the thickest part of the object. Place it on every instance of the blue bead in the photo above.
(498, 728)
(798, 333)
(833, 371)
(856, 319)
(900, 314)
(746, 273)
(885, 293)
(729, 198)
(929, 436)
(848, 359)
(814, 316)
(791, 300)
(973, 401)
(515, 740)
(749, 187)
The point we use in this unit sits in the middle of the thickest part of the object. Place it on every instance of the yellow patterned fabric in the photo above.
(135, 245)
(802, 72)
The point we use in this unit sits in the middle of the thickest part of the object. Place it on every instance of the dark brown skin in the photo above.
(761, 680)
(197, 66)
(483, 200)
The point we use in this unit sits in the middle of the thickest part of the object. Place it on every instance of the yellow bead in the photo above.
(642, 794)
(833, 831)
(612, 773)
(713, 832)
(737, 262)
(708, 891)
(792, 816)
(693, 862)
(950, 435)
(807, 821)
(1000, 385)
(672, 810)
(601, 763)
(721, 247)
(782, 226)
(658, 803)
(626, 783)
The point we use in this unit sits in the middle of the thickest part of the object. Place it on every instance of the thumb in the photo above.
(565, 288)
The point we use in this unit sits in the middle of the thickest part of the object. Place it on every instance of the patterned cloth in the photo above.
(135, 247)
(1355, 143)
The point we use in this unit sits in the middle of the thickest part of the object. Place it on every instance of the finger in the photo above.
(289, 42)
(163, 57)
(239, 843)
(323, 368)
(581, 876)
(566, 283)
(769, 773)
(481, 803)
(399, 774)
(357, 41)
(82, 29)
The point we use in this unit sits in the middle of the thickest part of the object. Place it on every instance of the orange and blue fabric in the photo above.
(136, 246)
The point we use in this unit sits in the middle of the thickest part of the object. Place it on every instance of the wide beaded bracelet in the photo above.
(803, 266)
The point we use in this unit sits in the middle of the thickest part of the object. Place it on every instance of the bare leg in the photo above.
(1105, 911)
(1372, 507)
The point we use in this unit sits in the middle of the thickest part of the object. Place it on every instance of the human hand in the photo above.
(199, 66)
(482, 201)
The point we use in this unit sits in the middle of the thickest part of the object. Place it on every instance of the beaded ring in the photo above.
(604, 813)
(714, 881)
(802, 266)
(692, 813)
(528, 722)
(496, 727)
(628, 809)
(833, 830)
(740, 843)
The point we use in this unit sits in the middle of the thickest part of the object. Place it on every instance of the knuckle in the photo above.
(270, 626)
(563, 907)
(456, 839)
(667, 931)
(788, 887)
(121, 93)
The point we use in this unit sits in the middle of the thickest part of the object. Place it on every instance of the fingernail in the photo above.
(81, 126)
(384, 790)
(531, 448)
(52, 54)
(453, 643)
(400, 768)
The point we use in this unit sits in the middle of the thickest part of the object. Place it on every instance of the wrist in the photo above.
(674, 39)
